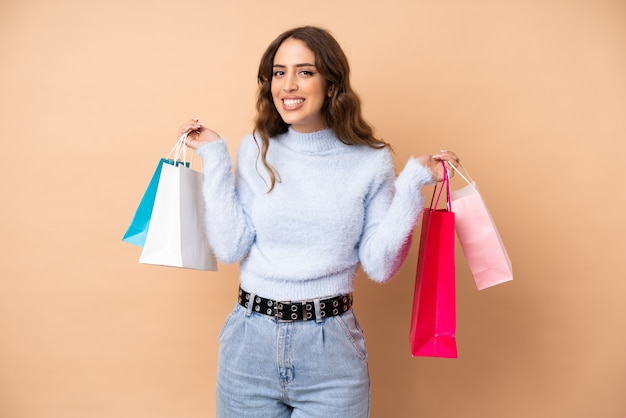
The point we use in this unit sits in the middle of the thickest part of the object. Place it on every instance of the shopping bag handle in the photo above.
(466, 177)
(178, 154)
(444, 183)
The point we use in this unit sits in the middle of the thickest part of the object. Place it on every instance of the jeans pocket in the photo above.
(353, 333)
(228, 321)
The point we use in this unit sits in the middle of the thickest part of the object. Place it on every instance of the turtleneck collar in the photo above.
(318, 142)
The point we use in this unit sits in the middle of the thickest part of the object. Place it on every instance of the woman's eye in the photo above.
(278, 73)
(307, 73)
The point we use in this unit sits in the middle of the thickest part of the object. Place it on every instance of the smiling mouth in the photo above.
(289, 103)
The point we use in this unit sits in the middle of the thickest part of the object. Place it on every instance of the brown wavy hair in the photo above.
(341, 110)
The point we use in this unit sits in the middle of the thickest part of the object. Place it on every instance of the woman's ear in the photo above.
(331, 90)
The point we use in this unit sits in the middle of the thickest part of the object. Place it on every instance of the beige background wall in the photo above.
(530, 93)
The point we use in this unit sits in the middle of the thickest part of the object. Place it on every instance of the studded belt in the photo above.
(296, 311)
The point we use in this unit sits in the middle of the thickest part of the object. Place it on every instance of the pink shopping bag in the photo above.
(480, 240)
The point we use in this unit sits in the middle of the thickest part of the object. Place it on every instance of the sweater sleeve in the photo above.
(390, 219)
(229, 230)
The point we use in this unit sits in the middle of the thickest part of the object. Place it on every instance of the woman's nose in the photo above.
(291, 83)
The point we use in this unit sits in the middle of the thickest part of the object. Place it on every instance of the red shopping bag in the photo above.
(433, 320)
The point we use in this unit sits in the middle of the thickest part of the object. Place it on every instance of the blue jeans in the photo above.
(315, 368)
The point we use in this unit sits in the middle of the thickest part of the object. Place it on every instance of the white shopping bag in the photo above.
(176, 236)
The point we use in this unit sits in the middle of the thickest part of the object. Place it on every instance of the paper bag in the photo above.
(433, 317)
(480, 240)
(138, 228)
(177, 236)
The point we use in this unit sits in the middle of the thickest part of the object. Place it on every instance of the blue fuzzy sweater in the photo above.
(336, 206)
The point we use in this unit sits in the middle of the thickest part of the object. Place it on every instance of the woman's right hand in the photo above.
(197, 134)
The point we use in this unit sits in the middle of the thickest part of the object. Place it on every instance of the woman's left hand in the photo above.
(433, 163)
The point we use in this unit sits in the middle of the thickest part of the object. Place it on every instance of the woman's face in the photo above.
(298, 89)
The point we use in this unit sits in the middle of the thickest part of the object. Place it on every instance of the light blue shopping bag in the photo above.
(138, 228)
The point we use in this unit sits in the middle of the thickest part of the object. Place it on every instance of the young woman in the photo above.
(313, 197)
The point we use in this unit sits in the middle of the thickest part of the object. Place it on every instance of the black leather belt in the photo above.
(296, 311)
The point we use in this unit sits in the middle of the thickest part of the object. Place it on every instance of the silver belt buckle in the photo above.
(278, 312)
(285, 316)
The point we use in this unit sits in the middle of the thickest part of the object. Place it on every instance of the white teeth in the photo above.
(293, 102)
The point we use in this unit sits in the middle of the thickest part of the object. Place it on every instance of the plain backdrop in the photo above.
(530, 93)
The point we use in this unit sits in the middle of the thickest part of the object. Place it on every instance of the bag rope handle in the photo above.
(467, 179)
(180, 150)
(445, 182)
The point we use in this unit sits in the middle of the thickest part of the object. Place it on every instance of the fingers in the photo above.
(197, 134)
(447, 156)
(189, 126)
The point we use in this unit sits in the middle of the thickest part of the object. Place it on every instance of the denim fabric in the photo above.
(315, 368)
